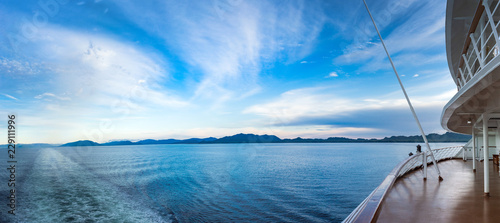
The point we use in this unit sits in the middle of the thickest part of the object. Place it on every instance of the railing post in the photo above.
(463, 153)
(473, 148)
(486, 156)
(424, 162)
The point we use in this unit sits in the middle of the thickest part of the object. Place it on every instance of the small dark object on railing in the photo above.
(419, 148)
(410, 154)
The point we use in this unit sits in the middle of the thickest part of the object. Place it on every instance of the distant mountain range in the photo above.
(142, 142)
(252, 138)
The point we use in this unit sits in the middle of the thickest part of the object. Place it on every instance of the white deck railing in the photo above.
(482, 42)
(416, 160)
(367, 210)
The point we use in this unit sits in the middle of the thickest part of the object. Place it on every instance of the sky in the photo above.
(107, 70)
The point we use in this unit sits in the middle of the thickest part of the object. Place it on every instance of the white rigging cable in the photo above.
(406, 96)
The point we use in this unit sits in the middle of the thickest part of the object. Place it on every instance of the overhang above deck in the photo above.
(480, 95)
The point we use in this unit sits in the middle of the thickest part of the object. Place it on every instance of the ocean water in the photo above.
(321, 182)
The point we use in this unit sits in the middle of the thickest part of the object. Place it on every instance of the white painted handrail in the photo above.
(415, 161)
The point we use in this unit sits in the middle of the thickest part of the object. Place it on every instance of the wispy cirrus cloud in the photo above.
(48, 96)
(10, 96)
(98, 70)
(226, 43)
(422, 32)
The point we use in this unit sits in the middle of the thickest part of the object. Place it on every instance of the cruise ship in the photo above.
(469, 190)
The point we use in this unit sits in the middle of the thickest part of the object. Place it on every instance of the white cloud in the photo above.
(303, 61)
(50, 95)
(321, 131)
(96, 70)
(18, 67)
(333, 74)
(10, 96)
(296, 106)
(416, 75)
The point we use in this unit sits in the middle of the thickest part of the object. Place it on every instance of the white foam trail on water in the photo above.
(60, 190)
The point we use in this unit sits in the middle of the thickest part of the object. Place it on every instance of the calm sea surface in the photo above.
(197, 183)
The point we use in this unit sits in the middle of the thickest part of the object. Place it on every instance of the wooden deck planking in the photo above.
(459, 198)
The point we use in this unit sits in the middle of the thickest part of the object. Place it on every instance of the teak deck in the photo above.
(458, 198)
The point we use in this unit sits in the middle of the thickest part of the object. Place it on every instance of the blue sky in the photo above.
(109, 70)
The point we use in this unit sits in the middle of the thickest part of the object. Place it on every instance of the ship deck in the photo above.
(458, 198)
